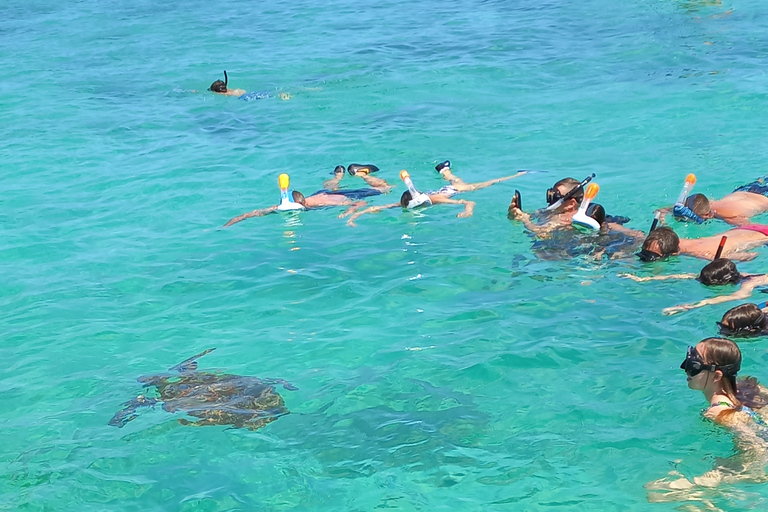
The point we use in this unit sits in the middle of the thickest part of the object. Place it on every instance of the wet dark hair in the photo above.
(405, 198)
(667, 239)
(298, 197)
(744, 320)
(720, 271)
(597, 212)
(569, 184)
(699, 204)
(219, 86)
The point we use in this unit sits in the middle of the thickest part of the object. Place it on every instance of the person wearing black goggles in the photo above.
(711, 367)
(745, 320)
(694, 364)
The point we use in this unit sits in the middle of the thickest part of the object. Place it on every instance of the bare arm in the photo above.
(352, 209)
(744, 292)
(469, 206)
(371, 209)
(254, 213)
(638, 279)
(540, 231)
(635, 233)
(742, 256)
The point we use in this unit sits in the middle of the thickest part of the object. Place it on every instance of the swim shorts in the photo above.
(447, 191)
(356, 193)
(759, 186)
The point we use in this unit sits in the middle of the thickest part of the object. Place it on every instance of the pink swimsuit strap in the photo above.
(756, 227)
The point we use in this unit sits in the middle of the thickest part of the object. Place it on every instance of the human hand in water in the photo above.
(676, 309)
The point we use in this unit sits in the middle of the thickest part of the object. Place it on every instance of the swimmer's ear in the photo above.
(226, 78)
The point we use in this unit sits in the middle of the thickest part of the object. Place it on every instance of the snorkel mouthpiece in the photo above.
(417, 198)
(580, 218)
(286, 199)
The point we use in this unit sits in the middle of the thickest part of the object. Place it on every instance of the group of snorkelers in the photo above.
(711, 366)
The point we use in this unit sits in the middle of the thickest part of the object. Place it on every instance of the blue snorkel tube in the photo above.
(681, 210)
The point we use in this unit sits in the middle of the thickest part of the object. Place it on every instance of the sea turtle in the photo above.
(217, 399)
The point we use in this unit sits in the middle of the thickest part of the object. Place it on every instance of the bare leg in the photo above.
(461, 186)
(333, 183)
(378, 183)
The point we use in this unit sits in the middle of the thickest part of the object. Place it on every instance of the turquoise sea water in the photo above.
(440, 364)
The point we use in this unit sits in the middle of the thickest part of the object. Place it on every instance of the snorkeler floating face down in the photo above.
(218, 86)
(744, 320)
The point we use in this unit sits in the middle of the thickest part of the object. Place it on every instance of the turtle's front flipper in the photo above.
(191, 363)
(127, 414)
(286, 385)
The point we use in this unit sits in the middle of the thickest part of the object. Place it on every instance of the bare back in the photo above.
(320, 200)
(737, 207)
(738, 240)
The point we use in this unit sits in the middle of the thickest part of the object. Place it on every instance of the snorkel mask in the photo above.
(417, 198)
(580, 218)
(755, 327)
(683, 209)
(694, 365)
(286, 198)
(555, 199)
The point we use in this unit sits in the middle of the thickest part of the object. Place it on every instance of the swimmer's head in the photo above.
(220, 86)
(720, 271)
(298, 198)
(561, 189)
(659, 243)
(700, 205)
(744, 320)
(713, 355)
(405, 199)
(597, 212)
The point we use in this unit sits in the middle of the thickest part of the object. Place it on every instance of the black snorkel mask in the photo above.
(647, 256)
(694, 365)
(555, 199)
(755, 328)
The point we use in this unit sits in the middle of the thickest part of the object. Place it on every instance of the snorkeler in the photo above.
(406, 201)
(663, 241)
(745, 320)
(352, 198)
(220, 87)
(719, 272)
(363, 171)
(735, 208)
(568, 192)
(711, 367)
(440, 196)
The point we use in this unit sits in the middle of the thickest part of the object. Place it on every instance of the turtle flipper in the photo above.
(128, 413)
(191, 363)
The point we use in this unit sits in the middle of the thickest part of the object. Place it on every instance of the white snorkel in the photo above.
(417, 198)
(580, 218)
(286, 199)
(690, 181)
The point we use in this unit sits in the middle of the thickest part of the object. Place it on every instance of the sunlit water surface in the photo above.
(440, 364)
